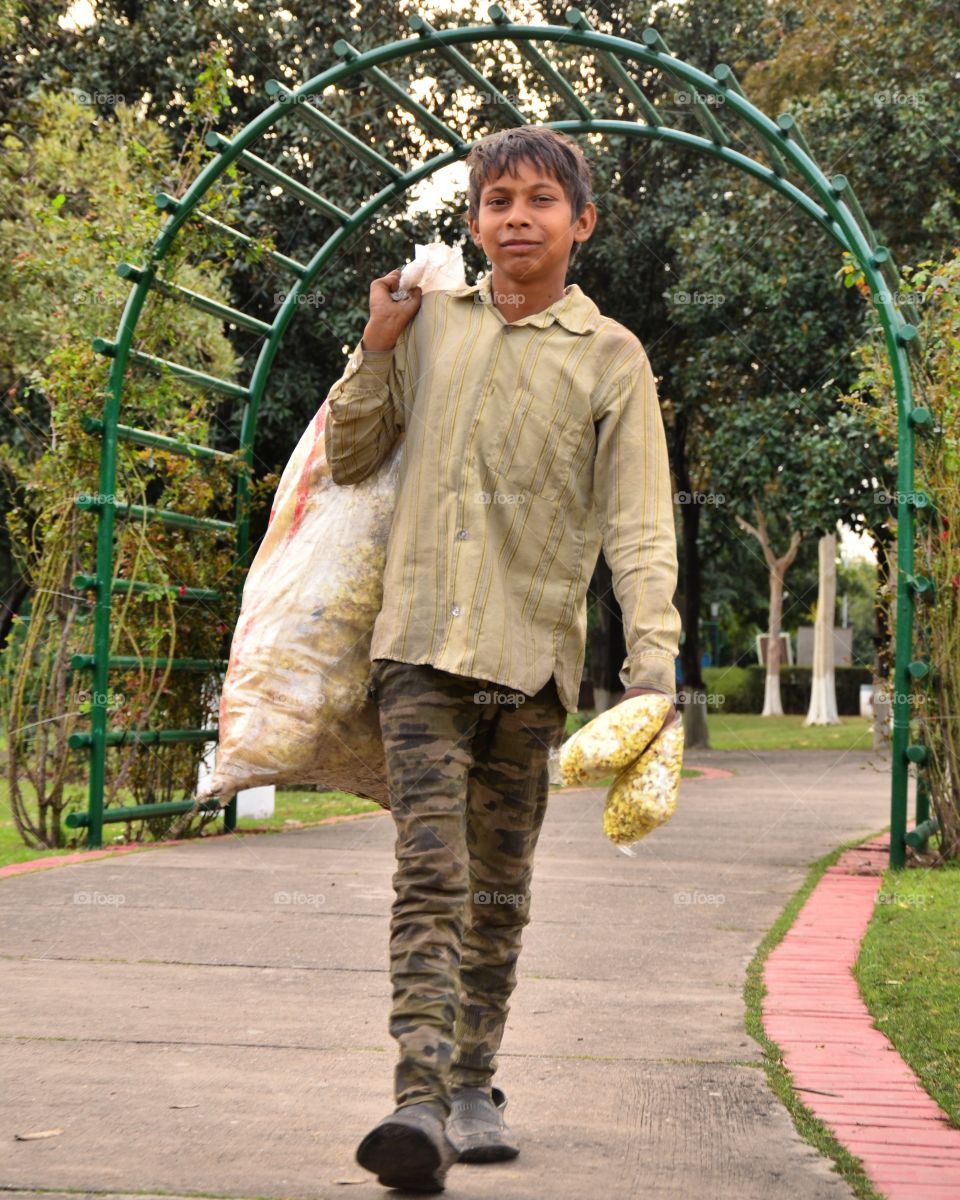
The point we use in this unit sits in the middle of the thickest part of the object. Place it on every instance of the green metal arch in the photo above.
(830, 203)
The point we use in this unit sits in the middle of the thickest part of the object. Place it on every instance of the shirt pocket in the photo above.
(534, 447)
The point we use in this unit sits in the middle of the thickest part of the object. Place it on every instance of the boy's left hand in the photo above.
(672, 714)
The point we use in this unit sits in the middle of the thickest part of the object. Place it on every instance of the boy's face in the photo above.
(532, 210)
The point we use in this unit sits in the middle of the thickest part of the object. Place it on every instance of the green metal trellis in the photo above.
(785, 163)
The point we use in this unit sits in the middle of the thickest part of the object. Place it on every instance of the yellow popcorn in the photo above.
(613, 740)
(644, 795)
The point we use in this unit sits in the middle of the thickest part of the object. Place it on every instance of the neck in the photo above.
(516, 297)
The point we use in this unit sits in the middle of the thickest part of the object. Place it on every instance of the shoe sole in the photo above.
(484, 1154)
(401, 1157)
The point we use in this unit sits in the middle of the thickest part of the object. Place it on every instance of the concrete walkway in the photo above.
(211, 1018)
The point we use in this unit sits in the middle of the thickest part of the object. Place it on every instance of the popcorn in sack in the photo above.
(625, 741)
(294, 708)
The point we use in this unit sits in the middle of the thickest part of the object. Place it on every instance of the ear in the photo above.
(586, 222)
(474, 228)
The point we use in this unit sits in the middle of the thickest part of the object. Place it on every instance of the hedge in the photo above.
(740, 689)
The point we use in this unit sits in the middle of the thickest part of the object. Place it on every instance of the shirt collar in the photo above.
(574, 310)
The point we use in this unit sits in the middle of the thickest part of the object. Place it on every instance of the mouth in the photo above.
(519, 245)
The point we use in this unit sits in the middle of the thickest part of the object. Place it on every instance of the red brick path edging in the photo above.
(845, 1070)
(64, 860)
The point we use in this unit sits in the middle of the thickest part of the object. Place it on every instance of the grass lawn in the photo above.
(744, 731)
(908, 971)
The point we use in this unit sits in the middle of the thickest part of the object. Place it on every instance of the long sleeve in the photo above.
(634, 507)
(365, 412)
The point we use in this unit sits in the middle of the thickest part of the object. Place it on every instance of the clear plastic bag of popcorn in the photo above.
(644, 795)
(611, 741)
(628, 741)
(294, 709)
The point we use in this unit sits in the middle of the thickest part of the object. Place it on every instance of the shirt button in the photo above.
(462, 533)
(455, 611)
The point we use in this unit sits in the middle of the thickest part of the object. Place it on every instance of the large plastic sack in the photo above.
(434, 266)
(294, 709)
(629, 741)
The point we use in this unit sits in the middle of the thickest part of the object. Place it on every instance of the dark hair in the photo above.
(541, 146)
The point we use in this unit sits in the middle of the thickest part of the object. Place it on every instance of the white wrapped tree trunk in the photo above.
(772, 706)
(823, 691)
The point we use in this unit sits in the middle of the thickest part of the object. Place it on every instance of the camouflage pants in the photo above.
(467, 774)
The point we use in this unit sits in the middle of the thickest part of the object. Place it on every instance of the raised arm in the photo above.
(365, 406)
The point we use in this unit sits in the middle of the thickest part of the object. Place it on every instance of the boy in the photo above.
(532, 433)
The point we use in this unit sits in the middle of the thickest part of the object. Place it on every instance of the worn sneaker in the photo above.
(408, 1149)
(476, 1127)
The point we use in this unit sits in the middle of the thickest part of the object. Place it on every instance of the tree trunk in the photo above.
(607, 644)
(823, 689)
(693, 693)
(772, 706)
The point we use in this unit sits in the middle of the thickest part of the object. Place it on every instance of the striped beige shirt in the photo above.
(527, 444)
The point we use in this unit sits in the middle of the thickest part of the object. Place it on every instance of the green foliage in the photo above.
(935, 287)
(74, 198)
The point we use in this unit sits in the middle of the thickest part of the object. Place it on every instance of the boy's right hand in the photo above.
(388, 318)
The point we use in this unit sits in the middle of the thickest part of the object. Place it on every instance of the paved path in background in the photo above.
(211, 1018)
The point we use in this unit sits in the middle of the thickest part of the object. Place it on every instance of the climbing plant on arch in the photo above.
(780, 159)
